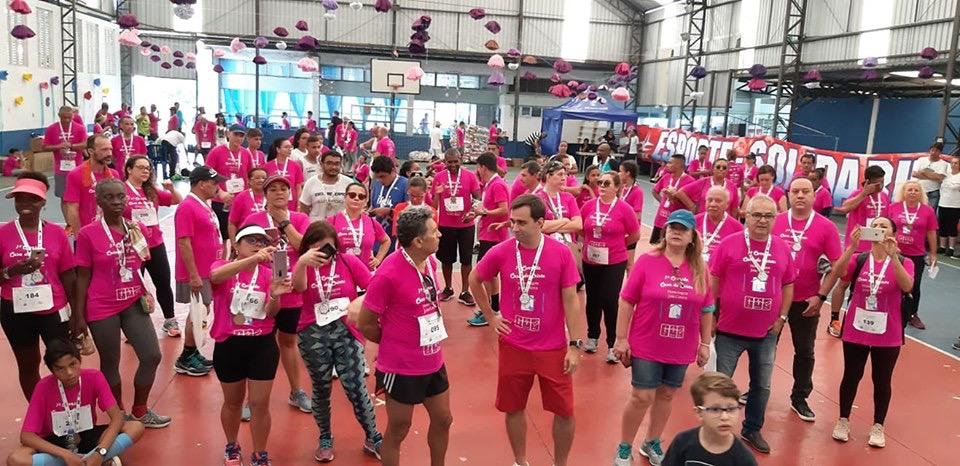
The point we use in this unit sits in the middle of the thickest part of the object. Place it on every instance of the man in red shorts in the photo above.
(538, 303)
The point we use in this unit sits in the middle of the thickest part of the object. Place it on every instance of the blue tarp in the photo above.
(577, 109)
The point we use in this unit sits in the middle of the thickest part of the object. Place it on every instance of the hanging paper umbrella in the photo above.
(177, 62)
(870, 62)
(492, 26)
(307, 42)
(260, 60)
(21, 31)
(592, 96)
(128, 21)
(757, 84)
(329, 15)
(698, 72)
(96, 82)
(422, 23)
(491, 44)
(18, 101)
(555, 77)
(260, 42)
(5, 73)
(478, 13)
(495, 61)
(513, 53)
(422, 36)
(27, 77)
(218, 68)
(145, 44)
(620, 94)
(190, 56)
(219, 53)
(281, 45)
(155, 48)
(87, 95)
(529, 60)
(308, 65)
(280, 32)
(237, 45)
(20, 6)
(184, 8)
(302, 25)
(154, 58)
(164, 49)
(414, 73)
(622, 69)
(166, 65)
(925, 72)
(929, 53)
(129, 38)
(582, 87)
(145, 52)
(513, 65)
(356, 5)
(812, 75)
(592, 88)
(560, 90)
(417, 47)
(330, 5)
(758, 71)
(383, 6)
(55, 80)
(870, 75)
(572, 84)
(190, 65)
(562, 67)
(495, 79)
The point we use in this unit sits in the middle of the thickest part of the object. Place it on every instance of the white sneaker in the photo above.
(841, 431)
(590, 346)
(877, 439)
(334, 373)
(611, 358)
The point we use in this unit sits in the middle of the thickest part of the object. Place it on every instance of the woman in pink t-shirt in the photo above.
(917, 226)
(563, 220)
(248, 202)
(246, 297)
(357, 231)
(591, 187)
(279, 163)
(822, 198)
(766, 176)
(609, 225)
(873, 325)
(329, 342)
(664, 324)
(633, 196)
(361, 169)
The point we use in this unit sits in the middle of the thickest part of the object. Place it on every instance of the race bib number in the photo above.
(145, 216)
(206, 145)
(598, 254)
(32, 298)
(249, 304)
(872, 322)
(432, 330)
(68, 164)
(453, 204)
(82, 421)
(329, 311)
(234, 185)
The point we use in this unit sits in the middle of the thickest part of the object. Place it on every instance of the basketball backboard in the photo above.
(390, 76)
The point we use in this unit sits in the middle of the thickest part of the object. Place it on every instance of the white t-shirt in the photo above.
(940, 166)
(950, 191)
(634, 142)
(436, 136)
(324, 199)
(297, 154)
(175, 138)
(310, 168)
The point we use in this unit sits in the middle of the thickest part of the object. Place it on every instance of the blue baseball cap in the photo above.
(683, 217)
(238, 129)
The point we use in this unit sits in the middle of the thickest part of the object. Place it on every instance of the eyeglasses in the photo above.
(719, 167)
(717, 410)
(762, 216)
(359, 196)
(142, 167)
(606, 183)
(257, 241)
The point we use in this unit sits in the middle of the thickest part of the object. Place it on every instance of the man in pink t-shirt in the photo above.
(701, 166)
(79, 197)
(406, 322)
(254, 141)
(753, 276)
(126, 144)
(527, 181)
(865, 204)
(67, 139)
(231, 161)
(714, 223)
(665, 192)
(454, 191)
(385, 145)
(493, 218)
(809, 236)
(539, 309)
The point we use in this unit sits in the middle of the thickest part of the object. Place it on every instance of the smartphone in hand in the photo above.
(871, 234)
(328, 250)
(280, 264)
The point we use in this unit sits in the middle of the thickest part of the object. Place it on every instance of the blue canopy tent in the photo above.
(579, 109)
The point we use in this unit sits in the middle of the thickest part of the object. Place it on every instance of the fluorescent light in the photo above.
(575, 43)
(876, 43)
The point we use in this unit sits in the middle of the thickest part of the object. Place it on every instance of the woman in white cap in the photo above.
(246, 297)
(35, 257)
(661, 329)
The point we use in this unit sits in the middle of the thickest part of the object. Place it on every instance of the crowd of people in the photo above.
(297, 264)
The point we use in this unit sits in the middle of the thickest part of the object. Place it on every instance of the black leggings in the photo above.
(159, 268)
(883, 360)
(603, 284)
(911, 302)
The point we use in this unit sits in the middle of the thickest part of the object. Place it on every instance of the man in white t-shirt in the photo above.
(436, 140)
(931, 171)
(323, 193)
(169, 148)
(634, 146)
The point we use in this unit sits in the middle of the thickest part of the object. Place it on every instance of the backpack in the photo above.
(862, 259)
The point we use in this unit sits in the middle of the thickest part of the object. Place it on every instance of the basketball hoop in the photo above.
(395, 87)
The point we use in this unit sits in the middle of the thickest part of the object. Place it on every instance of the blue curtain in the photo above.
(333, 103)
(267, 99)
(298, 100)
(232, 101)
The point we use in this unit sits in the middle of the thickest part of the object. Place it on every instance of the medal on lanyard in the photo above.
(239, 316)
(72, 416)
(709, 238)
(798, 238)
(526, 299)
(760, 282)
(356, 234)
(909, 219)
(874, 282)
(36, 276)
(673, 184)
(601, 219)
(124, 272)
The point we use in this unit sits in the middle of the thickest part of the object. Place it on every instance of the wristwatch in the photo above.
(283, 225)
(102, 452)
(822, 297)
(783, 318)
(576, 343)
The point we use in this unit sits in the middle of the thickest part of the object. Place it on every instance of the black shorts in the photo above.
(22, 330)
(484, 247)
(223, 216)
(412, 389)
(454, 240)
(949, 216)
(287, 320)
(241, 358)
(655, 235)
(89, 439)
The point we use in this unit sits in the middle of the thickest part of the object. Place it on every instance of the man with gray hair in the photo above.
(67, 139)
(406, 322)
(714, 223)
(752, 277)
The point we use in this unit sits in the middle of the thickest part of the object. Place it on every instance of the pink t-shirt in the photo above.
(666, 310)
(124, 148)
(154, 122)
(667, 206)
(173, 123)
(822, 199)
(107, 294)
(460, 136)
(619, 221)
(85, 196)
(889, 299)
(349, 275)
(56, 134)
(560, 205)
(299, 221)
(821, 239)
(494, 193)
(228, 164)
(517, 189)
(372, 232)
(311, 125)
(735, 173)
(462, 186)
(347, 138)
(10, 164)
(94, 392)
(257, 160)
(399, 308)
(750, 175)
(912, 238)
(293, 172)
(873, 206)
(194, 219)
(206, 133)
(223, 325)
(710, 236)
(136, 199)
(697, 192)
(501, 163)
(493, 133)
(361, 172)
(58, 258)
(244, 205)
(697, 165)
(572, 181)
(587, 195)
(775, 192)
(633, 196)
(743, 311)
(285, 123)
(385, 146)
(543, 328)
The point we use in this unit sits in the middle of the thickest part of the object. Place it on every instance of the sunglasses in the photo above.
(606, 183)
(257, 240)
(142, 167)
(359, 196)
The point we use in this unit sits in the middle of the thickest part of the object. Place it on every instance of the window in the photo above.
(44, 38)
(446, 80)
(331, 73)
(353, 74)
(91, 48)
(536, 112)
(109, 58)
(17, 48)
(428, 79)
(469, 82)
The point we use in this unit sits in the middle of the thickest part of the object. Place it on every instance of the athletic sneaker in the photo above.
(231, 455)
(653, 451)
(834, 328)
(478, 320)
(191, 365)
(611, 358)
(877, 439)
(466, 299)
(446, 294)
(372, 447)
(152, 420)
(245, 413)
(956, 345)
(260, 459)
(590, 345)
(171, 327)
(208, 363)
(333, 373)
(624, 455)
(803, 410)
(299, 400)
(756, 440)
(324, 453)
(841, 431)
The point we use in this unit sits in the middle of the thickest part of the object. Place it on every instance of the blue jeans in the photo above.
(760, 356)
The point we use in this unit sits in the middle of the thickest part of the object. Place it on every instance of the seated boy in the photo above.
(13, 164)
(60, 427)
(714, 442)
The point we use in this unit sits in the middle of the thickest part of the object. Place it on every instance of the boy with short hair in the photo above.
(714, 442)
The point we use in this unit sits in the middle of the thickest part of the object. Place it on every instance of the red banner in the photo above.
(844, 170)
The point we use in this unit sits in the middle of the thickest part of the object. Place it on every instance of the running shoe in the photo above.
(466, 299)
(624, 455)
(590, 345)
(841, 431)
(478, 320)
(611, 358)
(152, 420)
(245, 413)
(372, 447)
(956, 345)
(916, 323)
(756, 440)
(803, 410)
(834, 328)
(301, 401)
(231, 455)
(208, 363)
(446, 294)
(653, 451)
(260, 459)
(324, 453)
(191, 365)
(171, 327)
(333, 373)
(877, 439)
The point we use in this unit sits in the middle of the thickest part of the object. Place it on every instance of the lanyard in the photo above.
(798, 238)
(875, 279)
(127, 145)
(674, 183)
(23, 238)
(283, 172)
(599, 218)
(326, 290)
(877, 205)
(384, 195)
(761, 267)
(906, 214)
(258, 206)
(760, 190)
(135, 191)
(557, 207)
(626, 194)
(355, 233)
(423, 283)
(454, 187)
(723, 184)
(709, 238)
(120, 247)
(483, 197)
(213, 216)
(252, 286)
(69, 132)
(527, 282)
(73, 415)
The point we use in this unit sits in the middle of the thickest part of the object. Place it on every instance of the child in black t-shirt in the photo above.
(714, 442)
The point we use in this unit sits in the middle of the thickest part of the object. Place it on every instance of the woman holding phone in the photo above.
(357, 231)
(328, 341)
